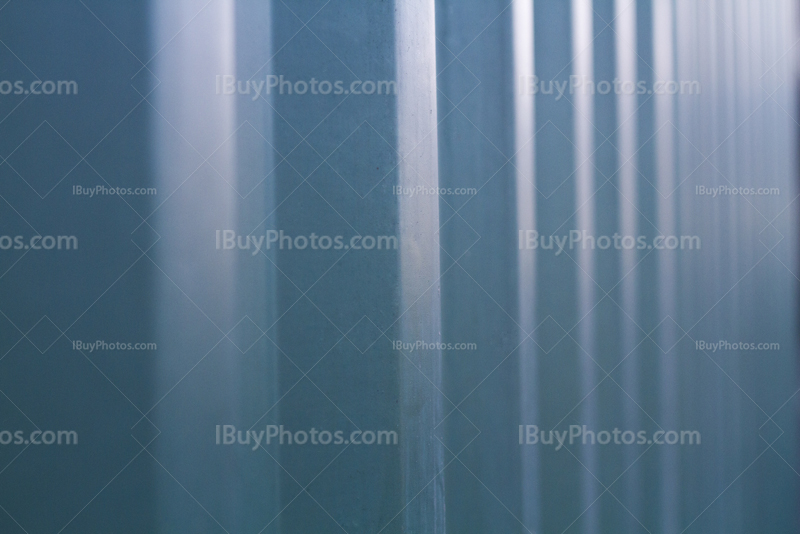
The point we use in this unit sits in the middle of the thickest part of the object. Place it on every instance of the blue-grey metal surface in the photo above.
(412, 266)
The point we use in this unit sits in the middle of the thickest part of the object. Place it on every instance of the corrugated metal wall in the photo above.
(639, 109)
(594, 204)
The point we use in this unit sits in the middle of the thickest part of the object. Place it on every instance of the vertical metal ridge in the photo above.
(420, 299)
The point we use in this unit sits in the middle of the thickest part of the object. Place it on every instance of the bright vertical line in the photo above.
(583, 68)
(524, 147)
(420, 289)
(193, 114)
(524, 161)
(625, 30)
